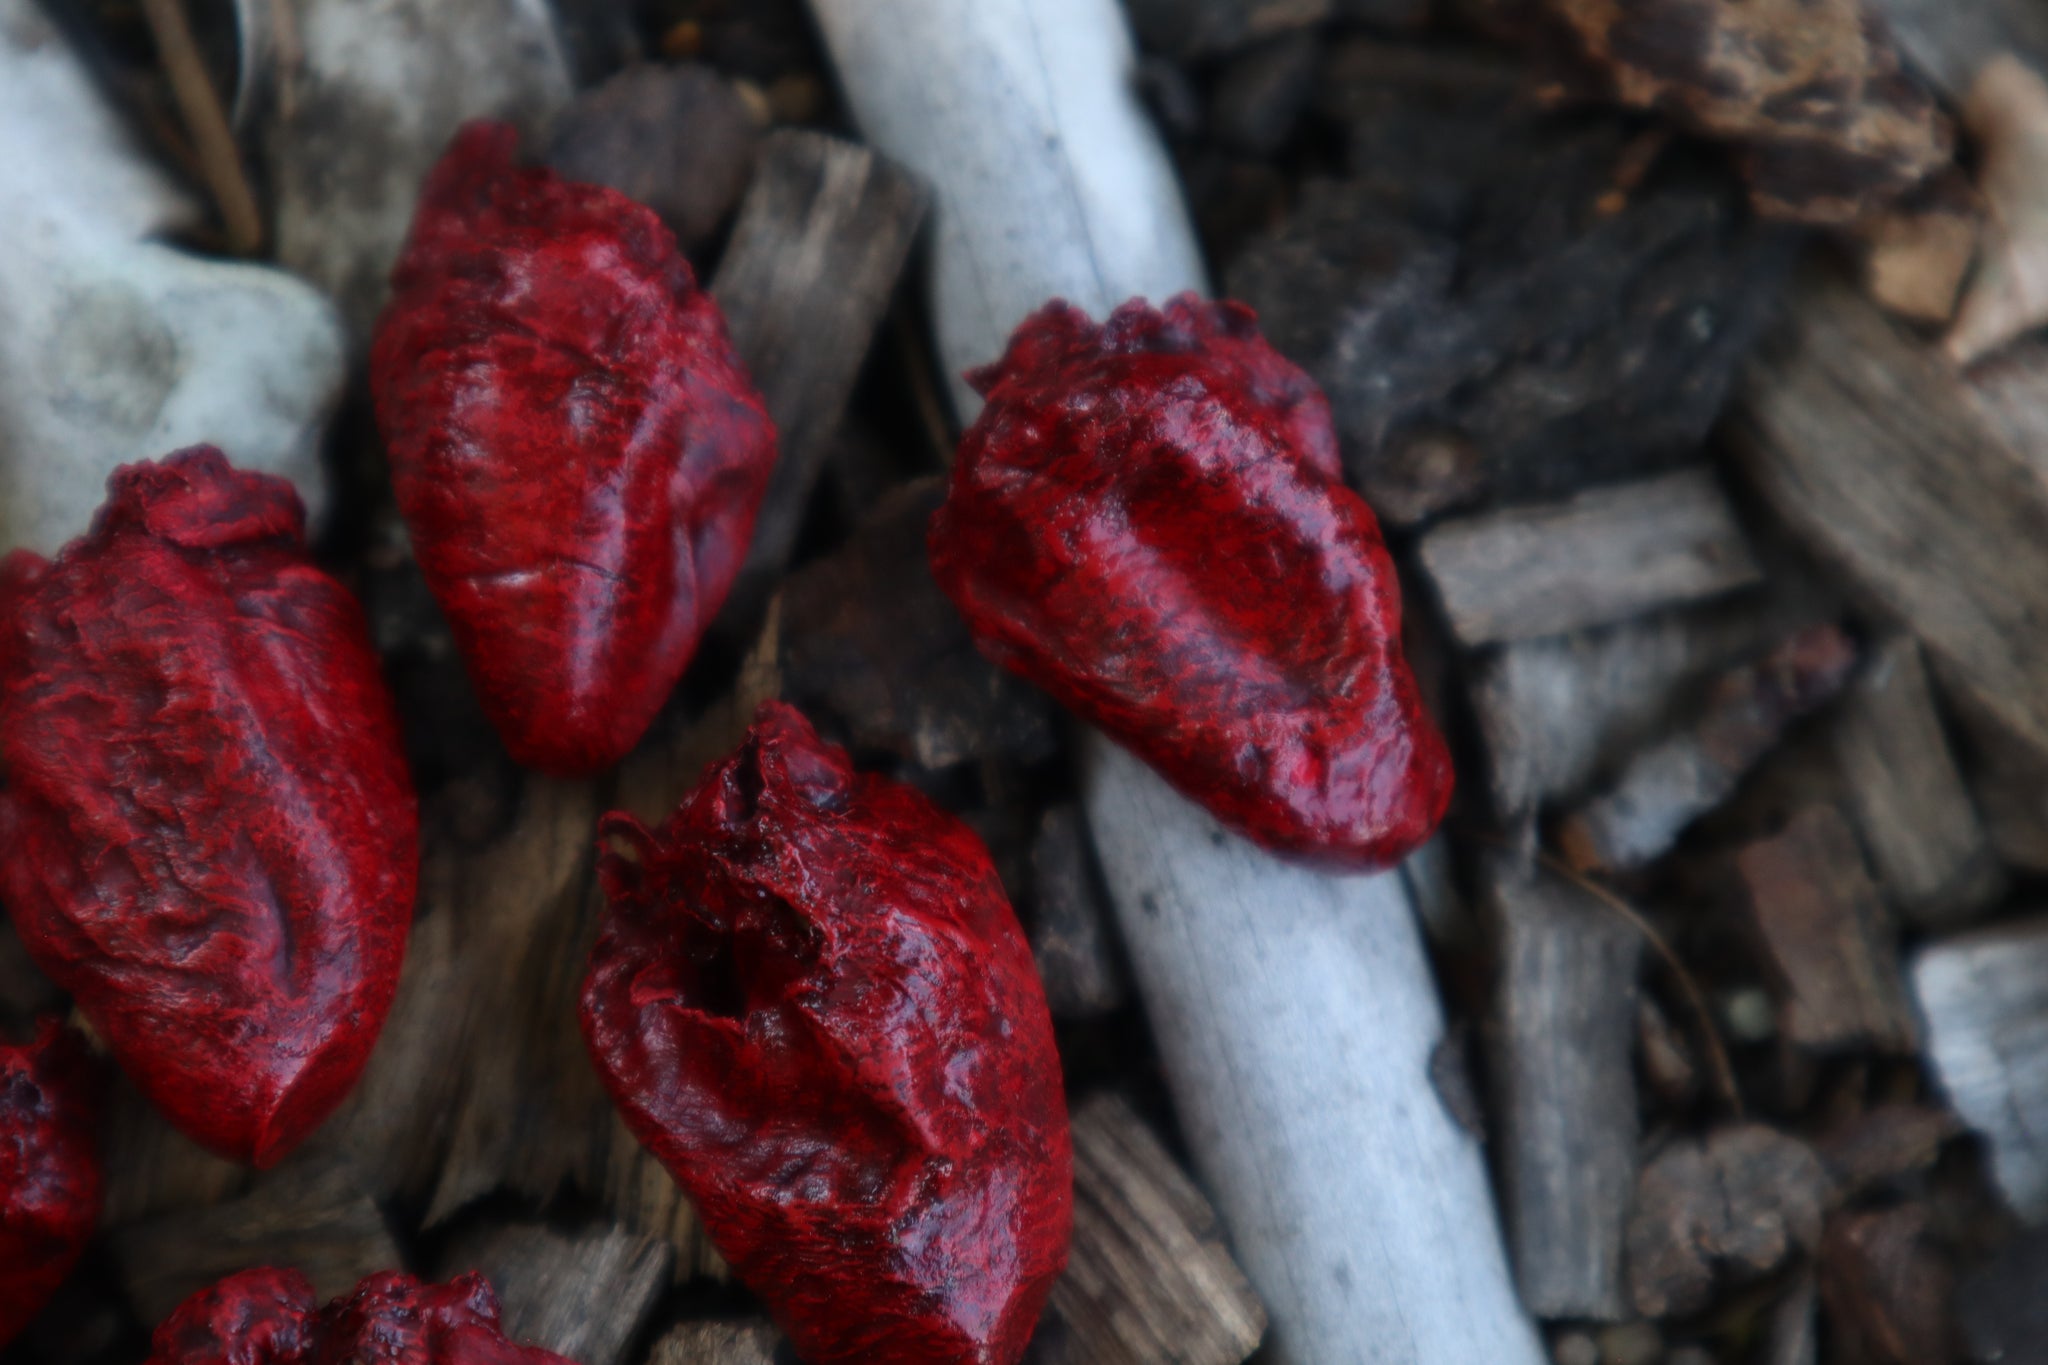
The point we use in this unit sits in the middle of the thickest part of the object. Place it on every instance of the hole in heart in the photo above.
(744, 953)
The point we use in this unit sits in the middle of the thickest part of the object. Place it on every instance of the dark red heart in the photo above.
(211, 839)
(49, 1168)
(1148, 521)
(812, 1002)
(270, 1317)
(575, 447)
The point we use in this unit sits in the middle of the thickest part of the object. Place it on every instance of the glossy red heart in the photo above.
(211, 837)
(574, 445)
(49, 1168)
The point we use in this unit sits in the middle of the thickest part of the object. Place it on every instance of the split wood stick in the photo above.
(1295, 1012)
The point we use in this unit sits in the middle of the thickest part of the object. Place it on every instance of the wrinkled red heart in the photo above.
(211, 838)
(49, 1168)
(812, 1002)
(270, 1317)
(574, 445)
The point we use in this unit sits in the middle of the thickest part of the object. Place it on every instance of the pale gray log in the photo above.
(815, 256)
(1564, 1082)
(1605, 555)
(1296, 1025)
(582, 1294)
(1867, 444)
(1296, 1013)
(1918, 823)
(1984, 997)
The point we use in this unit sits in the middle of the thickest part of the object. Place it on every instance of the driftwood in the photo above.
(584, 1295)
(1564, 1081)
(1826, 940)
(1931, 854)
(1984, 996)
(312, 1215)
(1148, 1277)
(1665, 787)
(1866, 442)
(1295, 1013)
(1605, 555)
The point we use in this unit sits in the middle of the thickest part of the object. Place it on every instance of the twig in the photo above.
(199, 105)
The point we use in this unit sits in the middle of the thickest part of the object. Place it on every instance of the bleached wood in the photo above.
(1295, 1012)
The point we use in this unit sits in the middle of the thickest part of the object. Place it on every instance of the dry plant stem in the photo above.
(2007, 112)
(1695, 1002)
(207, 121)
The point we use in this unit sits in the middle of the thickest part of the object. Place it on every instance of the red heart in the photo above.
(812, 1002)
(270, 1317)
(49, 1168)
(576, 449)
(211, 838)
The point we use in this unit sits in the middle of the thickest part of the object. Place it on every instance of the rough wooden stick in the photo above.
(199, 106)
(1918, 823)
(1296, 1013)
(1562, 1033)
(1605, 555)
(815, 256)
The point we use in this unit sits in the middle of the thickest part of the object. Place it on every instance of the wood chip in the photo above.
(1886, 1144)
(2007, 113)
(2002, 1306)
(1812, 95)
(1661, 790)
(1886, 1289)
(584, 1295)
(1721, 1211)
(1602, 556)
(1148, 1277)
(1916, 254)
(1984, 995)
(814, 259)
(1827, 943)
(1564, 1030)
(1554, 713)
(718, 1343)
(678, 139)
(1931, 854)
(1793, 1334)
(1949, 43)
(312, 1215)
(1071, 938)
(1867, 444)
